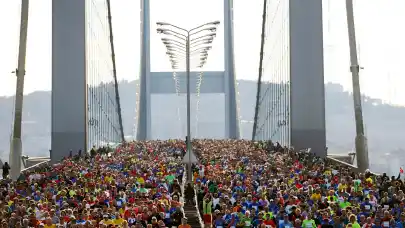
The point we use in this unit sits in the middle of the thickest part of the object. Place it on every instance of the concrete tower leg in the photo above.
(307, 95)
(231, 110)
(144, 120)
(69, 85)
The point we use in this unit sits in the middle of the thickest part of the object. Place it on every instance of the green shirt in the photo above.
(355, 225)
(170, 178)
(308, 223)
(247, 222)
(207, 207)
(332, 198)
(213, 188)
(344, 204)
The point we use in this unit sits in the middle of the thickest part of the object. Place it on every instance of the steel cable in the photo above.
(198, 89)
(177, 88)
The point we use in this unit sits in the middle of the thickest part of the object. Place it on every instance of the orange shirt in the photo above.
(184, 226)
(236, 208)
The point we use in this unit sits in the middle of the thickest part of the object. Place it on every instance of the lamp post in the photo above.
(179, 40)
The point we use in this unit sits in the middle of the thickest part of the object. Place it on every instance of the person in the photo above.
(6, 170)
(353, 221)
(184, 223)
(189, 194)
(207, 210)
(93, 152)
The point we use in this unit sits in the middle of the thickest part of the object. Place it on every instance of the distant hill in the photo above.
(384, 123)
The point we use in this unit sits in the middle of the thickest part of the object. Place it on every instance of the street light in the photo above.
(197, 60)
(176, 58)
(216, 23)
(191, 40)
(176, 44)
(176, 51)
(208, 36)
(202, 41)
(199, 63)
(194, 44)
(172, 40)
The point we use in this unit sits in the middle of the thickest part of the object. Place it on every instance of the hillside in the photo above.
(384, 123)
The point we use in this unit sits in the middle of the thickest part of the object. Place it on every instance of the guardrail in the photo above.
(348, 165)
(339, 162)
(197, 206)
(35, 166)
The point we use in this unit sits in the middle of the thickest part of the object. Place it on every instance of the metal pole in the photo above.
(361, 141)
(16, 144)
(190, 158)
(189, 176)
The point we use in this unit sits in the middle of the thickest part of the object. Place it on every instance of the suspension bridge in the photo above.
(290, 100)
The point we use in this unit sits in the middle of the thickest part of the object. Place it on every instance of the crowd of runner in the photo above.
(136, 185)
(255, 184)
(238, 183)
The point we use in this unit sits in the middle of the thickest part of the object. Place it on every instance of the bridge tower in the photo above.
(85, 101)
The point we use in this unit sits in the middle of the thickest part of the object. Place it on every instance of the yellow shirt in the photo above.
(106, 222)
(341, 187)
(50, 226)
(119, 221)
(164, 201)
(316, 196)
(108, 179)
(140, 180)
(72, 193)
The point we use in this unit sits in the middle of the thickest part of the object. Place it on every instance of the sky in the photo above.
(380, 36)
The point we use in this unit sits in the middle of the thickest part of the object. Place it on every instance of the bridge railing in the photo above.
(351, 167)
(333, 159)
(38, 165)
(339, 162)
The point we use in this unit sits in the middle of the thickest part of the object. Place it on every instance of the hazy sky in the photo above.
(378, 23)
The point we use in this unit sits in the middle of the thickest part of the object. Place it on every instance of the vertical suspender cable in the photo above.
(135, 126)
(259, 80)
(198, 89)
(177, 88)
(117, 94)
